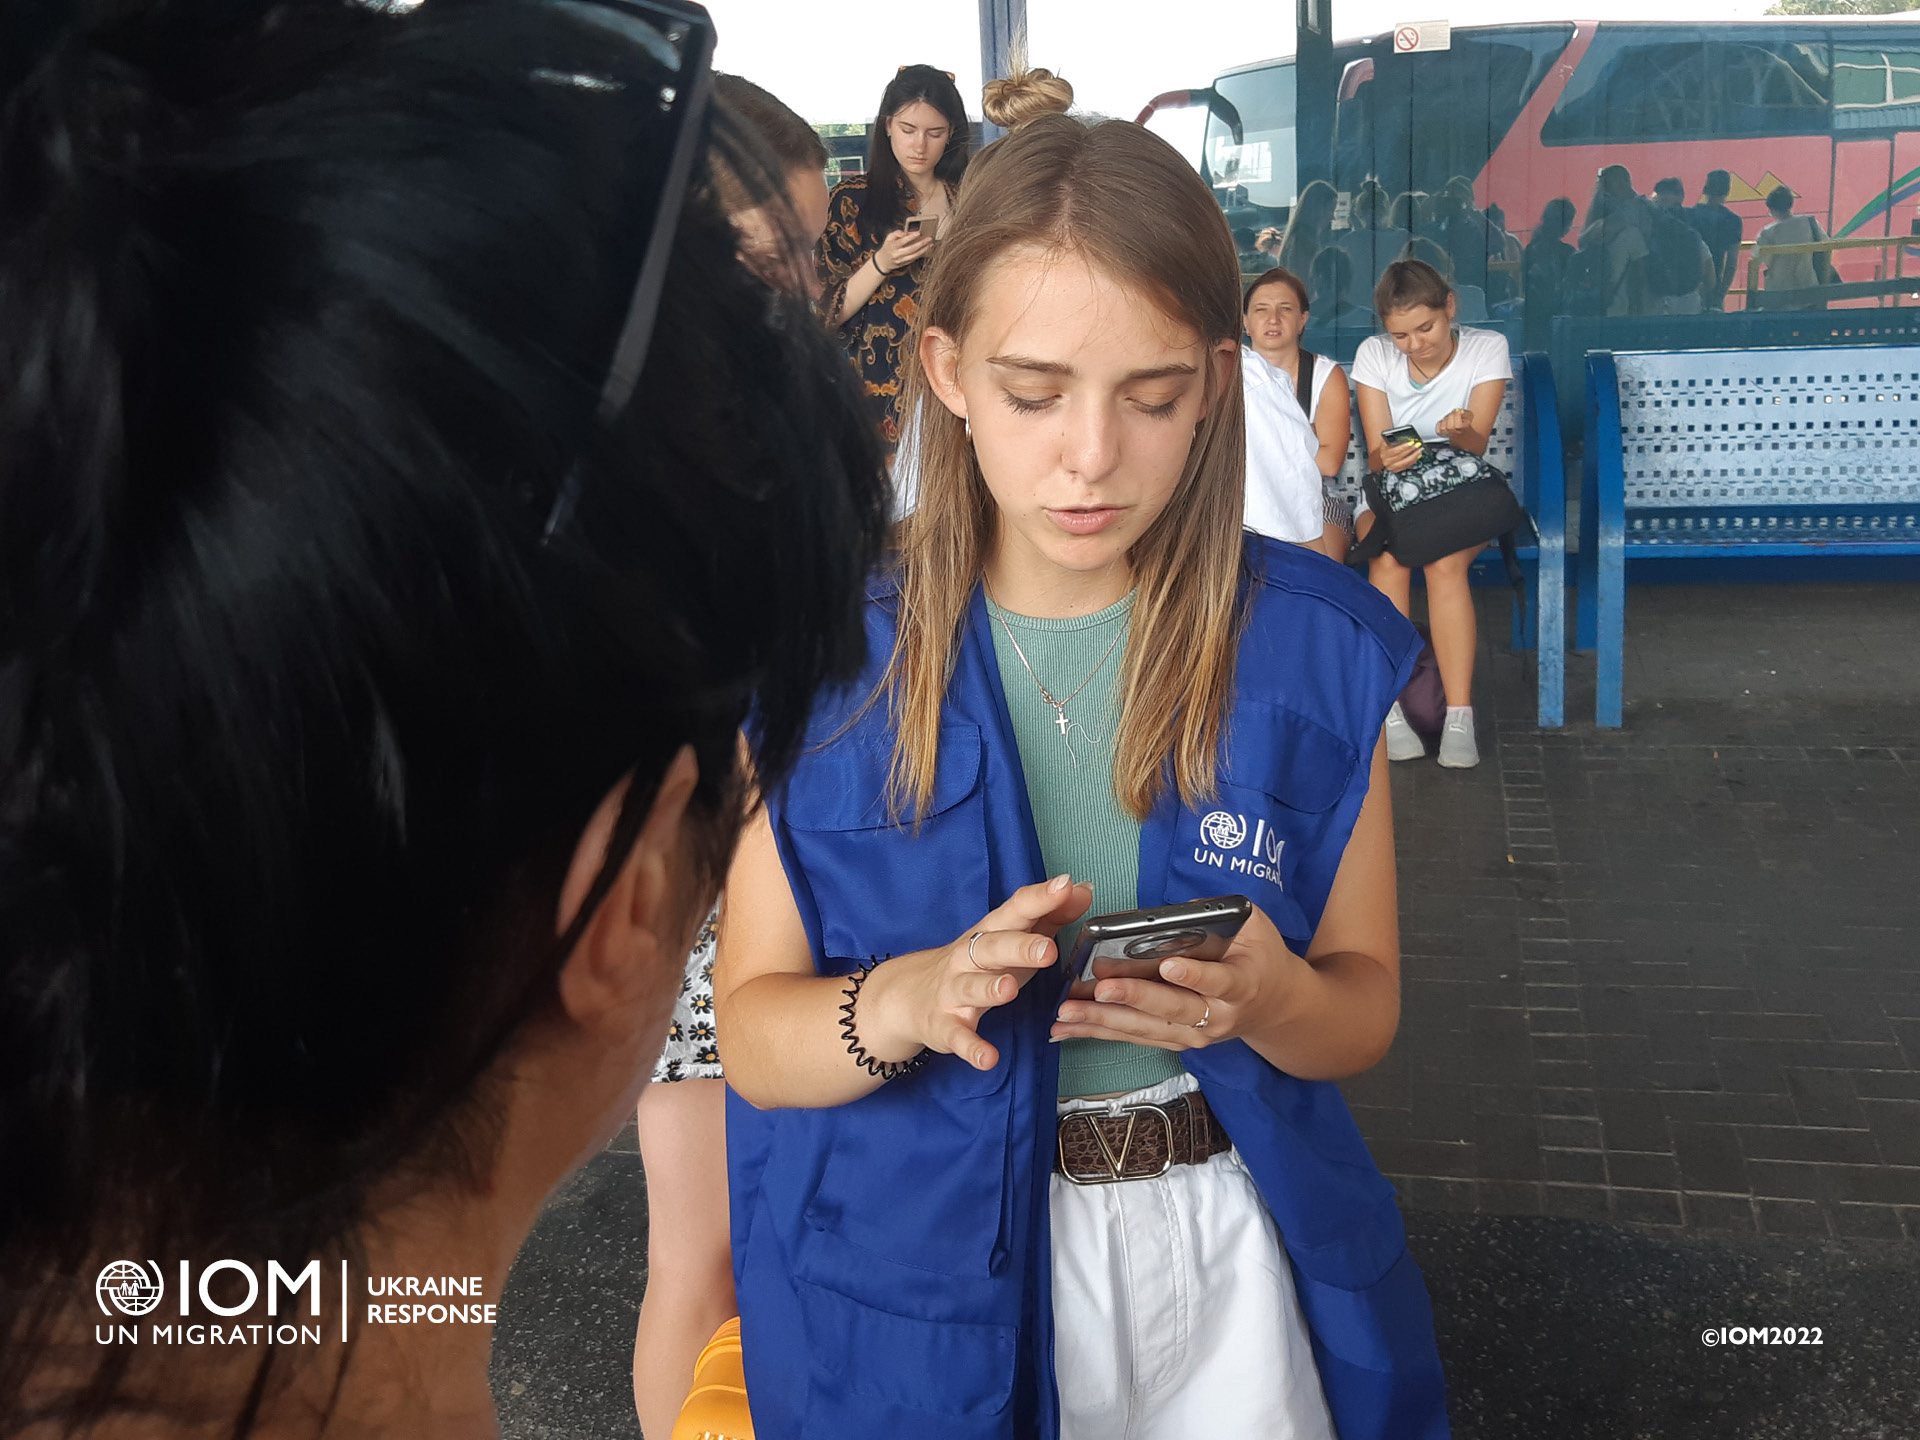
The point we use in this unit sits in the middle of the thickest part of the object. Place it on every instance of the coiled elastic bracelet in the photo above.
(885, 1069)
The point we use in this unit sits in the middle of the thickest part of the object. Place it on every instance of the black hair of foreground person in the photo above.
(304, 311)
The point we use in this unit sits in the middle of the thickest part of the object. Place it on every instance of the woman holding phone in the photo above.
(882, 226)
(1440, 386)
(1165, 1224)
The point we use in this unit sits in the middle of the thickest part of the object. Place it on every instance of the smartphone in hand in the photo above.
(1403, 435)
(1138, 940)
(927, 225)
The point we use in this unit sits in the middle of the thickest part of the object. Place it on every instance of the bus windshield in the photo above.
(1256, 169)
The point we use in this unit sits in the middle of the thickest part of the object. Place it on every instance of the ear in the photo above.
(1453, 306)
(940, 359)
(634, 940)
(1225, 358)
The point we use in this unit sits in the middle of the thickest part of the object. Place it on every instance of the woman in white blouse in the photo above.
(1275, 314)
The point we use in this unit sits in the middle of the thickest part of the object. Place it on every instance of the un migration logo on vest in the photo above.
(1225, 833)
(131, 1290)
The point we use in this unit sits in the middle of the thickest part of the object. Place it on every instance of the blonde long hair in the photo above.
(1126, 202)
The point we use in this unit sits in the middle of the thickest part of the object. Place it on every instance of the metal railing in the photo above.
(1883, 287)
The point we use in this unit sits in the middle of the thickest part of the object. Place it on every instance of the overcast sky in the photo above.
(1118, 53)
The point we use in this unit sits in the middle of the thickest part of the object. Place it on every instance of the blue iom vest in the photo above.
(892, 1255)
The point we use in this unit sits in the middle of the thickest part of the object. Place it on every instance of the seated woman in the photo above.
(1166, 1224)
(1446, 382)
(370, 680)
(1275, 314)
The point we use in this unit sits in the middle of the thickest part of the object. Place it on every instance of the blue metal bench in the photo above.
(1526, 444)
(1709, 454)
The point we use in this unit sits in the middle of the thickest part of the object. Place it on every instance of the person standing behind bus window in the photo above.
(1371, 241)
(1801, 271)
(1275, 313)
(1617, 224)
(1722, 230)
(1309, 228)
(1543, 271)
(1447, 382)
(1679, 266)
(870, 263)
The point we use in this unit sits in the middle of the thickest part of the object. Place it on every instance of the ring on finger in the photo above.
(1205, 1016)
(970, 944)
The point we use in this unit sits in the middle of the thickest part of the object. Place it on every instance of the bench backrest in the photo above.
(1503, 449)
(1744, 428)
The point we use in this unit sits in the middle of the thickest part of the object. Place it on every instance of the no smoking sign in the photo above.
(1412, 36)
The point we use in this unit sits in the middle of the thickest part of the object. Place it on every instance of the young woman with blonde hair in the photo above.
(1081, 667)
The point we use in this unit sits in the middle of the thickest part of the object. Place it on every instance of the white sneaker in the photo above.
(1403, 741)
(1457, 748)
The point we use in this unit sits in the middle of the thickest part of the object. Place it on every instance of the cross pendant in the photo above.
(1060, 719)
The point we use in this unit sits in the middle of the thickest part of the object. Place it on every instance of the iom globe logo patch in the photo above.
(1228, 842)
(128, 1288)
(1223, 830)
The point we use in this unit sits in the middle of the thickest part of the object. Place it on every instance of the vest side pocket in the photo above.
(916, 1174)
(873, 1365)
(912, 1175)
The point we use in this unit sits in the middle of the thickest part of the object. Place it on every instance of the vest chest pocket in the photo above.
(1272, 821)
(883, 887)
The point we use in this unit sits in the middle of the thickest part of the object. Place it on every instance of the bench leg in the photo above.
(1586, 571)
(1610, 622)
(1550, 636)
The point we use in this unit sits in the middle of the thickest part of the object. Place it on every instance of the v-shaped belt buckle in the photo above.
(1116, 1164)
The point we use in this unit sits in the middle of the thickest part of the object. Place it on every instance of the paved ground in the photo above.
(1659, 1068)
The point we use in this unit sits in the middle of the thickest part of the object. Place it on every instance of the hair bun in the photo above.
(1025, 95)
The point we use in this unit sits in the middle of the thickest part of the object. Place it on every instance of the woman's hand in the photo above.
(1193, 1003)
(1401, 457)
(934, 999)
(1455, 423)
(901, 248)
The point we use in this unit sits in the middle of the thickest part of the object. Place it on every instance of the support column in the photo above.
(1315, 83)
(1002, 22)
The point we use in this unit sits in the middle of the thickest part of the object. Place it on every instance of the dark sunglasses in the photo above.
(679, 37)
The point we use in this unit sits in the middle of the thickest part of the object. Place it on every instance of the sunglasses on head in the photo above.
(678, 37)
(904, 68)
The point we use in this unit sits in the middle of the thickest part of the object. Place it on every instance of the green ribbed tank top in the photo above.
(1083, 831)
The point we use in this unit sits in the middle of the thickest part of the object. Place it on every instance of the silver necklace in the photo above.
(1059, 706)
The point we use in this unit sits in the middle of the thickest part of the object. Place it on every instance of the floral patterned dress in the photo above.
(875, 332)
(693, 1051)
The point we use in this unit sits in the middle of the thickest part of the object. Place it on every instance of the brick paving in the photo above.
(1670, 974)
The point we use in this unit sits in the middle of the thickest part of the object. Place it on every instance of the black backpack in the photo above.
(1587, 290)
(1673, 261)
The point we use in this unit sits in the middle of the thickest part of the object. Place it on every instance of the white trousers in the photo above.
(1173, 1306)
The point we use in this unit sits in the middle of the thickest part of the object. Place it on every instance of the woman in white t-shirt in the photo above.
(1447, 382)
(1275, 313)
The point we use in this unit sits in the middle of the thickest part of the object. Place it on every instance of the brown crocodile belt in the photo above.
(1137, 1142)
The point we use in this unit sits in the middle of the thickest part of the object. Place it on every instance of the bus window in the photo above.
(1876, 87)
(1770, 85)
(1639, 83)
(1467, 98)
(1254, 174)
